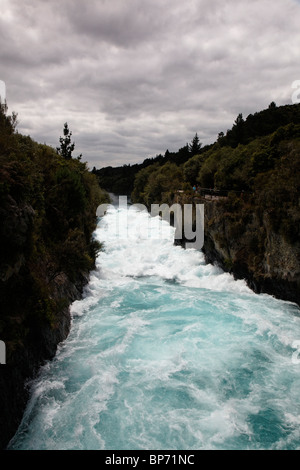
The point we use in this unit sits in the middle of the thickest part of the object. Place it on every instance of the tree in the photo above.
(221, 139)
(8, 122)
(237, 131)
(191, 168)
(195, 145)
(66, 147)
(239, 120)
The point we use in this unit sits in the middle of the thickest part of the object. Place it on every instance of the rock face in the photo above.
(16, 222)
(242, 241)
(245, 244)
(27, 357)
(30, 339)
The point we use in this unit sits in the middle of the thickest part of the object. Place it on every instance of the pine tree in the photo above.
(238, 129)
(272, 105)
(195, 145)
(66, 147)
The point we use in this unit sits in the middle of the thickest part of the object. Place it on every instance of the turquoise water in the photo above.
(166, 352)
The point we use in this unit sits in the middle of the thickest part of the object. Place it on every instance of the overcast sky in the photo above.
(134, 78)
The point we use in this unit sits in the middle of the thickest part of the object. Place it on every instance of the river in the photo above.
(167, 352)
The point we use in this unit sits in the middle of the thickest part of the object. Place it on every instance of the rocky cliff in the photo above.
(32, 325)
(245, 243)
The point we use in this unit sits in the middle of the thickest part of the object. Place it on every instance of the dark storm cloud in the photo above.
(134, 78)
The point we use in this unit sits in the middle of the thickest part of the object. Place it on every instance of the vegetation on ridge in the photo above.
(249, 135)
(48, 203)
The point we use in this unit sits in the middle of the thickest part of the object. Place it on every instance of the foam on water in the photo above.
(166, 352)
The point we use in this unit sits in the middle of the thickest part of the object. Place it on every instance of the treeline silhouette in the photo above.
(121, 180)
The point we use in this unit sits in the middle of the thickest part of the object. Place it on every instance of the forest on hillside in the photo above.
(249, 148)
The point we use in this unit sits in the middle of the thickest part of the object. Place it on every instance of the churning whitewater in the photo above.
(167, 352)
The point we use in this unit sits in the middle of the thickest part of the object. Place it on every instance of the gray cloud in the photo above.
(135, 78)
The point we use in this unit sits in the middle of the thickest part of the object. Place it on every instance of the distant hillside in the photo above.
(120, 180)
